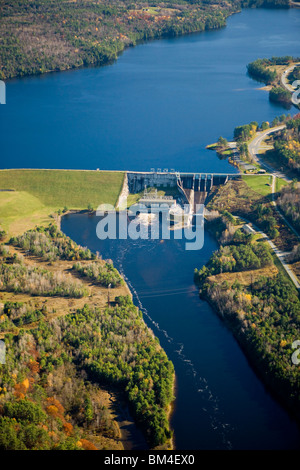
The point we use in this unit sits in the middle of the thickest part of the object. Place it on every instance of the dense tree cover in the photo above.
(17, 277)
(280, 95)
(295, 74)
(261, 71)
(57, 36)
(241, 237)
(289, 203)
(266, 3)
(112, 347)
(49, 385)
(46, 35)
(280, 119)
(124, 353)
(51, 244)
(264, 316)
(234, 258)
(287, 145)
(24, 411)
(264, 217)
(245, 132)
(222, 142)
(20, 313)
(293, 125)
(103, 274)
(46, 405)
(243, 150)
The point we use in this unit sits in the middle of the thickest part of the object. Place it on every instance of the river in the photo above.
(220, 403)
(159, 105)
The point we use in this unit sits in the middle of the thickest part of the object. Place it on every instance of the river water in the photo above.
(159, 105)
(220, 403)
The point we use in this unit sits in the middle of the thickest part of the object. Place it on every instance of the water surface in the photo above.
(159, 105)
(220, 403)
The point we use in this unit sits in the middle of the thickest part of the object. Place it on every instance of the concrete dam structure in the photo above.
(138, 181)
(194, 186)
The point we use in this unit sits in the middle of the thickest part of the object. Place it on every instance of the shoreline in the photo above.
(245, 347)
(235, 328)
(279, 82)
(125, 48)
(139, 42)
(171, 406)
(265, 88)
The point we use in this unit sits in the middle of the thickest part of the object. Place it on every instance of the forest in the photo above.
(263, 311)
(262, 71)
(287, 145)
(280, 95)
(245, 132)
(241, 257)
(18, 278)
(51, 244)
(260, 68)
(289, 203)
(110, 347)
(62, 358)
(105, 274)
(295, 74)
(44, 35)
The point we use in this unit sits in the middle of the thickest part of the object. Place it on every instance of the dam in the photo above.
(203, 182)
(193, 187)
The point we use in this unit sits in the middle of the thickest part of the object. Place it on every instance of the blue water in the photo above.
(159, 105)
(220, 402)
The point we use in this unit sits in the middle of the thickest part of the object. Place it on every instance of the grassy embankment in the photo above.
(262, 184)
(279, 184)
(38, 194)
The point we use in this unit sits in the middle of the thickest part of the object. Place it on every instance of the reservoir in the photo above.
(220, 403)
(158, 106)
